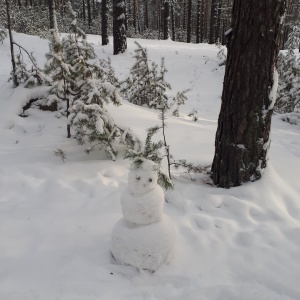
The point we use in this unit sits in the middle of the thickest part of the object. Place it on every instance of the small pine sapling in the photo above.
(179, 100)
(221, 55)
(3, 34)
(137, 87)
(109, 72)
(61, 154)
(288, 99)
(28, 77)
(194, 115)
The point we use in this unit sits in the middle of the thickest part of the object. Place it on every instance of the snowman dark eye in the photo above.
(150, 179)
(138, 178)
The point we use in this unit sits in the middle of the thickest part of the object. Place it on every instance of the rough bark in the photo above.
(242, 138)
(104, 17)
(119, 30)
(166, 20)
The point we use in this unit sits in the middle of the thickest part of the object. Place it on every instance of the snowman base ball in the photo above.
(145, 247)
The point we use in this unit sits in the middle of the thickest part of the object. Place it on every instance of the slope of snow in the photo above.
(56, 218)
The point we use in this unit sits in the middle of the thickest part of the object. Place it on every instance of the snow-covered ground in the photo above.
(56, 218)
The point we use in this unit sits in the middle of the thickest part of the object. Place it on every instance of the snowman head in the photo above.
(143, 178)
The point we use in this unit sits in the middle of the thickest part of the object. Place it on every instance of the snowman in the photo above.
(145, 236)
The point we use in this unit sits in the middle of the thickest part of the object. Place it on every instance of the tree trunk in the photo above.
(173, 22)
(242, 138)
(213, 12)
(202, 22)
(104, 19)
(198, 24)
(146, 21)
(166, 20)
(12, 54)
(83, 9)
(189, 22)
(89, 13)
(119, 31)
(218, 27)
(134, 16)
(51, 13)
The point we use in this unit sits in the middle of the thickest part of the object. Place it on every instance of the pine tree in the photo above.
(242, 138)
(138, 86)
(288, 99)
(60, 72)
(90, 91)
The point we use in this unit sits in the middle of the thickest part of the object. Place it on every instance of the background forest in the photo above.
(191, 21)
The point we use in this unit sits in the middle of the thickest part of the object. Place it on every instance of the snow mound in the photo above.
(143, 246)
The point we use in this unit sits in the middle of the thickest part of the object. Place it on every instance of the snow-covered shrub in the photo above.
(293, 41)
(3, 34)
(288, 95)
(109, 72)
(221, 55)
(138, 87)
(146, 84)
(28, 76)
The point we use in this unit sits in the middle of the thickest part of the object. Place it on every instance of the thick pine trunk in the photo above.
(104, 25)
(119, 30)
(242, 138)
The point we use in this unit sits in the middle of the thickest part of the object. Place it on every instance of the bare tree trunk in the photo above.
(89, 13)
(242, 138)
(119, 30)
(213, 11)
(146, 22)
(166, 20)
(134, 16)
(51, 13)
(202, 22)
(189, 22)
(173, 22)
(198, 24)
(11, 42)
(218, 28)
(104, 17)
(83, 9)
